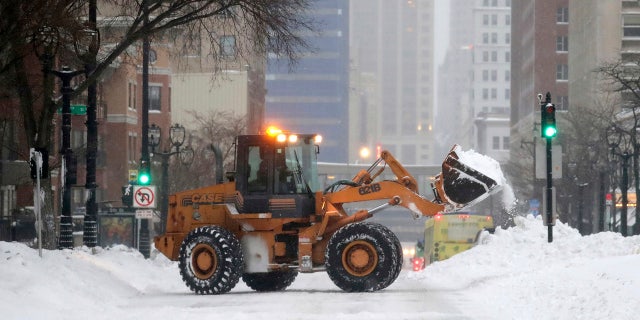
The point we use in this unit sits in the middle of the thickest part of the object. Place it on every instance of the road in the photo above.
(311, 296)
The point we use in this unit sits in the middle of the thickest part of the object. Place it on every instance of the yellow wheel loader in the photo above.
(270, 221)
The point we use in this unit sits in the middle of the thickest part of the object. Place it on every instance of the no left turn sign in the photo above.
(144, 196)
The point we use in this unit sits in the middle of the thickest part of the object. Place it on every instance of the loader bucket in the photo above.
(463, 184)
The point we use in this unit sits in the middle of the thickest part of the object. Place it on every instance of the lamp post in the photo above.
(177, 136)
(90, 234)
(66, 222)
(619, 145)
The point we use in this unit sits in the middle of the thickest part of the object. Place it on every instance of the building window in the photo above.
(153, 56)
(485, 19)
(494, 37)
(494, 93)
(631, 26)
(507, 94)
(507, 75)
(505, 143)
(496, 143)
(562, 103)
(494, 19)
(562, 72)
(78, 139)
(228, 46)
(154, 98)
(485, 75)
(507, 19)
(485, 56)
(494, 75)
(562, 44)
(485, 38)
(485, 94)
(494, 56)
(132, 95)
(507, 38)
(507, 56)
(562, 15)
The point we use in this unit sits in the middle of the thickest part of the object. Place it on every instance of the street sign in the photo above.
(144, 197)
(144, 214)
(556, 162)
(76, 109)
(133, 176)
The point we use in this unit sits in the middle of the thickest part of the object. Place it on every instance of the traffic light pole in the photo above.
(143, 241)
(548, 131)
(549, 202)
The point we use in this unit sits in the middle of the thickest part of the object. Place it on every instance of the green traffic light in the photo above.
(144, 178)
(550, 132)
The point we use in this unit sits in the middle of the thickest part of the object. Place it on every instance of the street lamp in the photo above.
(86, 46)
(620, 145)
(66, 222)
(177, 134)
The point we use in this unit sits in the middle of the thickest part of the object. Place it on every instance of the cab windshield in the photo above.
(296, 168)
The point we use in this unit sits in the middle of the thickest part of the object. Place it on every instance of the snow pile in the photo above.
(512, 274)
(517, 274)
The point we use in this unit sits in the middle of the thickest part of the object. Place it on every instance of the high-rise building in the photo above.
(491, 84)
(313, 97)
(474, 88)
(392, 43)
(596, 38)
(539, 64)
(603, 33)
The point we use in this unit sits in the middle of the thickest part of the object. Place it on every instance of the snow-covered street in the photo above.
(512, 274)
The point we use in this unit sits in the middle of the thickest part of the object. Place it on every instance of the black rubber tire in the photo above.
(269, 281)
(211, 260)
(374, 241)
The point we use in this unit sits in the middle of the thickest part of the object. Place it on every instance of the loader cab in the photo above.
(277, 174)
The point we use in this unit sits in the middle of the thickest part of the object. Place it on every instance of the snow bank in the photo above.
(516, 274)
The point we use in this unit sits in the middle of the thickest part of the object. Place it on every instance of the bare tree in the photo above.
(623, 78)
(45, 32)
(213, 129)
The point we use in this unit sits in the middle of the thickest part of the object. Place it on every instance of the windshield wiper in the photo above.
(300, 176)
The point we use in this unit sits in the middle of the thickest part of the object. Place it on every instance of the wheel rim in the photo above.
(360, 258)
(204, 261)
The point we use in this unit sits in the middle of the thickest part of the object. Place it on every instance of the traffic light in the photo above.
(548, 121)
(144, 176)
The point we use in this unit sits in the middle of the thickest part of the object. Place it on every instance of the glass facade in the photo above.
(313, 97)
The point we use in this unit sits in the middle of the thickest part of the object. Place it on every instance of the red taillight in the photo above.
(437, 216)
(418, 264)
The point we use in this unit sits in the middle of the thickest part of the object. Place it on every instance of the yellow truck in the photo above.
(448, 234)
